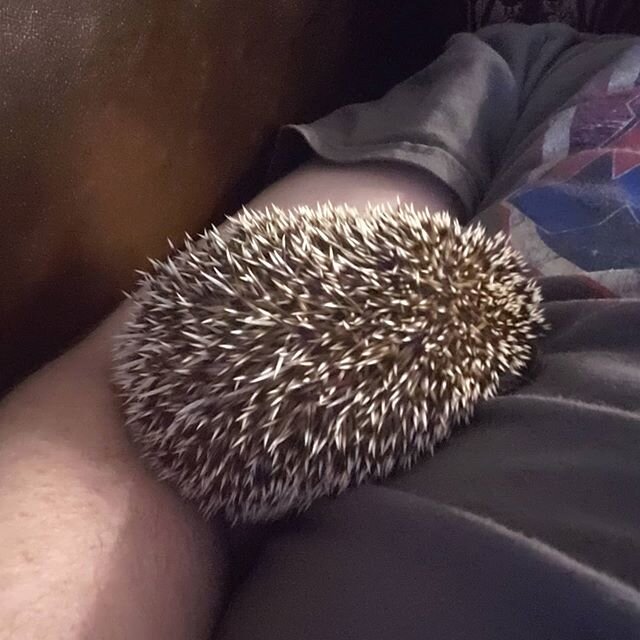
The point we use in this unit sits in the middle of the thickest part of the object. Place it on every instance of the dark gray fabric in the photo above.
(526, 524)
(595, 16)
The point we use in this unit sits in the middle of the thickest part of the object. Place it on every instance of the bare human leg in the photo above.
(92, 545)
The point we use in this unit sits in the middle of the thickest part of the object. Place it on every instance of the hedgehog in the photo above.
(299, 352)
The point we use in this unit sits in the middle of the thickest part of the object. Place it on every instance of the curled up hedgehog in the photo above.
(301, 352)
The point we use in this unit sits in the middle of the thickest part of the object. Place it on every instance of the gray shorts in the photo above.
(534, 128)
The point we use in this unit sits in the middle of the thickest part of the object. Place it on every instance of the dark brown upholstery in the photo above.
(122, 123)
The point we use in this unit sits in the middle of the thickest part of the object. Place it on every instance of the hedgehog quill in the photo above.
(308, 350)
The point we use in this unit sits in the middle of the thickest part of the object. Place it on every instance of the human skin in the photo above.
(92, 545)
